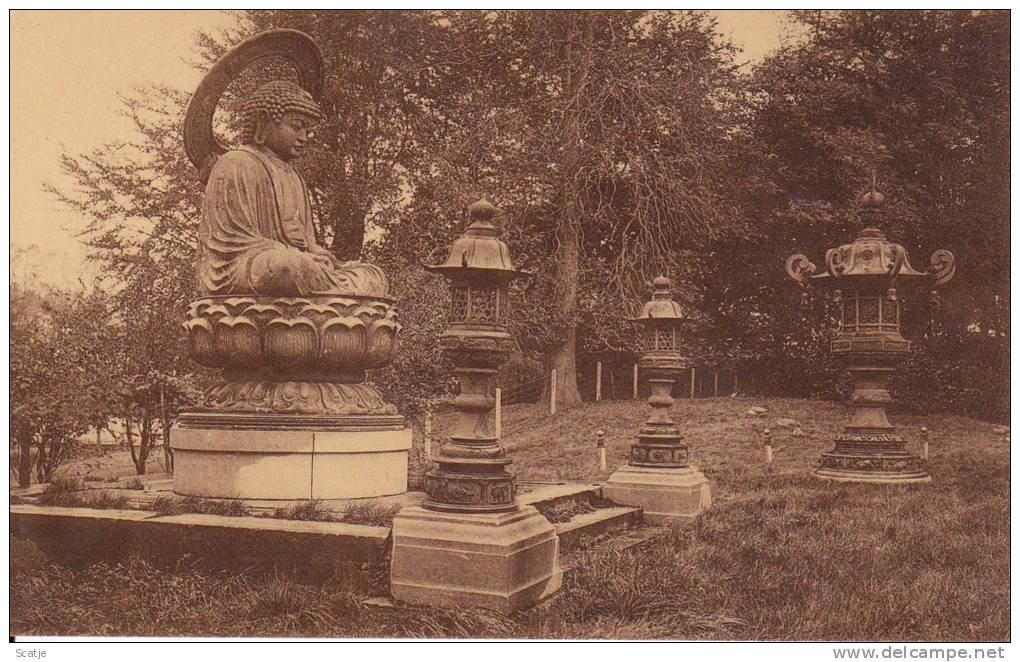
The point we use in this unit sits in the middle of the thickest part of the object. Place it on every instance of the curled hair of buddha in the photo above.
(275, 99)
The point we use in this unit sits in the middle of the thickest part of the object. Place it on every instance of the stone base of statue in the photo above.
(291, 416)
(500, 561)
(872, 458)
(267, 456)
(664, 494)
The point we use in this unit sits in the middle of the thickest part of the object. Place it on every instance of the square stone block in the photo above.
(665, 495)
(503, 561)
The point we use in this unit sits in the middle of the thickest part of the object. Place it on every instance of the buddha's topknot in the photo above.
(276, 98)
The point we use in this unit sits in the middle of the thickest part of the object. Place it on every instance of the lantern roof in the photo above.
(870, 259)
(662, 307)
(479, 250)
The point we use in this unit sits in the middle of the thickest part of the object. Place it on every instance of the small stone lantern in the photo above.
(658, 477)
(471, 544)
(867, 276)
(660, 443)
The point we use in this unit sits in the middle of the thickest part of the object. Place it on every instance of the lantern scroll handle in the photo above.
(800, 268)
(943, 266)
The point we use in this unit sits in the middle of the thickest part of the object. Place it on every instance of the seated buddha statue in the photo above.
(256, 235)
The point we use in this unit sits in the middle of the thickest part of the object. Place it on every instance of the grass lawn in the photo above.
(779, 556)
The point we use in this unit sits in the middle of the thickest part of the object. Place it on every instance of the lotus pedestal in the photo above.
(291, 417)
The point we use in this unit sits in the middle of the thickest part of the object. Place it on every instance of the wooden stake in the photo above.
(734, 381)
(552, 393)
(499, 413)
(598, 381)
(635, 381)
(692, 382)
(715, 387)
(427, 432)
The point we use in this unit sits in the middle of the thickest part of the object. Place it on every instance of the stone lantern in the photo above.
(867, 277)
(658, 477)
(471, 543)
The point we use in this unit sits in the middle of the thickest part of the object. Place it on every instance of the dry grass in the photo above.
(165, 505)
(369, 513)
(779, 556)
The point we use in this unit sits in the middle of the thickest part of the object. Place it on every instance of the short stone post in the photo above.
(658, 477)
(600, 445)
(924, 443)
(471, 544)
(552, 393)
(767, 443)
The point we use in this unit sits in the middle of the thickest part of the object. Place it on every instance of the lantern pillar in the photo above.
(471, 544)
(658, 477)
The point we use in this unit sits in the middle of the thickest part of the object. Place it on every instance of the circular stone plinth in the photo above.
(270, 463)
(871, 477)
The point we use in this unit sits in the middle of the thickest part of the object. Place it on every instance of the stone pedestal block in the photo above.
(665, 495)
(290, 464)
(500, 561)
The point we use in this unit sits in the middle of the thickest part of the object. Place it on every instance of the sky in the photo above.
(67, 69)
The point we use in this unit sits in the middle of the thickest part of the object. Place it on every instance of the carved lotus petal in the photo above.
(216, 312)
(320, 314)
(202, 343)
(198, 307)
(343, 342)
(344, 303)
(237, 305)
(238, 342)
(366, 313)
(290, 306)
(291, 342)
(382, 336)
(262, 314)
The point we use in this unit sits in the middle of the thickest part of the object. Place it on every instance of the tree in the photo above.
(603, 138)
(59, 377)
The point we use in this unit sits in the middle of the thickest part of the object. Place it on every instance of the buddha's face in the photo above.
(289, 137)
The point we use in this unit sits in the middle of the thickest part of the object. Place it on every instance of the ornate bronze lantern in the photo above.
(866, 275)
(471, 543)
(472, 475)
(658, 477)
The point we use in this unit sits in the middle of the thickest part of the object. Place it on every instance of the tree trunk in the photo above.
(168, 452)
(130, 440)
(25, 460)
(145, 440)
(563, 357)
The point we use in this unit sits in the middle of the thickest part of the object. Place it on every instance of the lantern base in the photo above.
(887, 468)
(664, 494)
(501, 561)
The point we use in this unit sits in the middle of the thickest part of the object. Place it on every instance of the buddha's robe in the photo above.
(256, 234)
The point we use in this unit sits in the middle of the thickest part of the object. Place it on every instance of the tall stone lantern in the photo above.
(471, 543)
(658, 477)
(868, 276)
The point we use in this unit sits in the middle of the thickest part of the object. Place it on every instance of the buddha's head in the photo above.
(280, 116)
